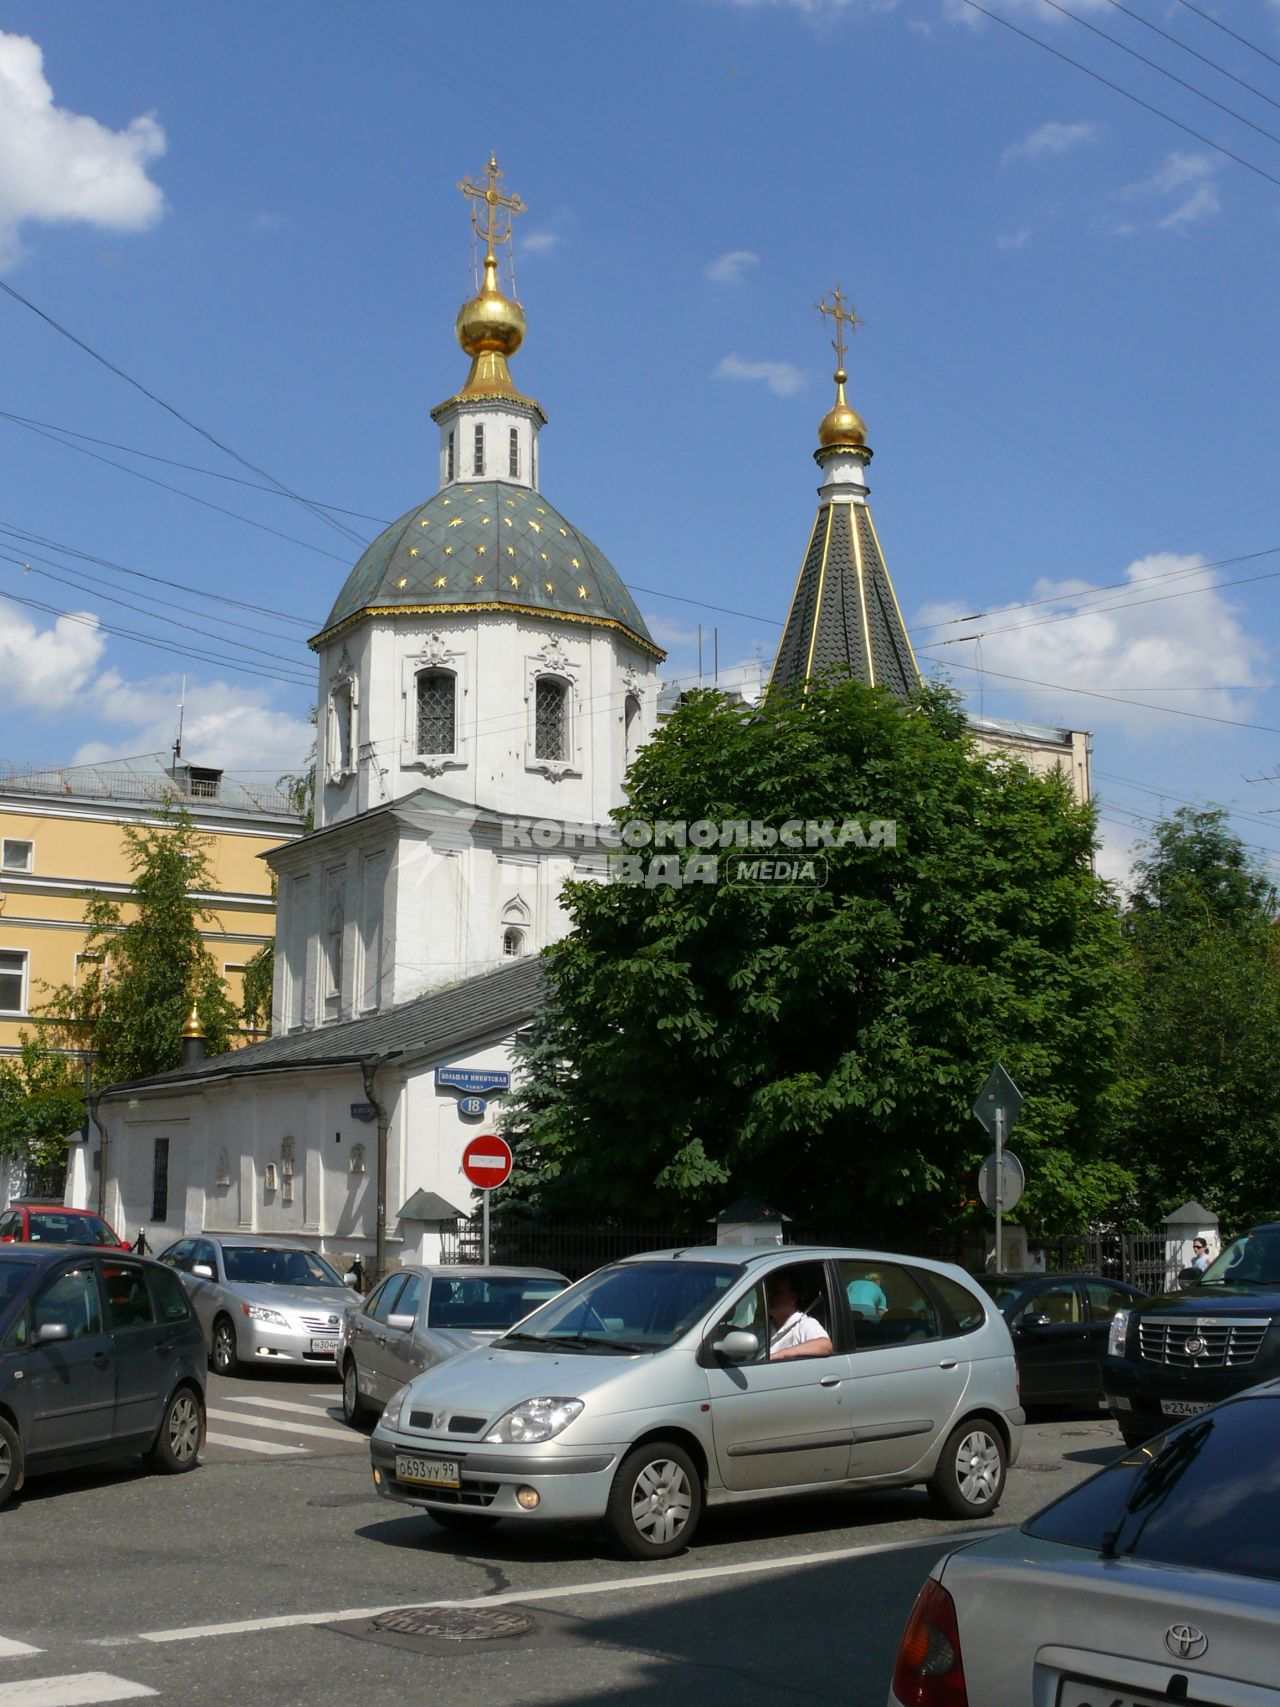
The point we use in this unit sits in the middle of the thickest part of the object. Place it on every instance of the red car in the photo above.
(25, 1222)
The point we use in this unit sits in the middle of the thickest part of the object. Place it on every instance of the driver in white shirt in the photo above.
(794, 1333)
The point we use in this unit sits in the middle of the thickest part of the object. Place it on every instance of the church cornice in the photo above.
(503, 608)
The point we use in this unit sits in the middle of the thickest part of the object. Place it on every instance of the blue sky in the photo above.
(1067, 363)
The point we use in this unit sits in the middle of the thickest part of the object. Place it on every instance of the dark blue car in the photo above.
(100, 1357)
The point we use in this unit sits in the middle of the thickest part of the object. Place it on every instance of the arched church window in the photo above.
(513, 467)
(449, 457)
(342, 732)
(479, 454)
(333, 964)
(551, 719)
(436, 711)
(513, 942)
(630, 728)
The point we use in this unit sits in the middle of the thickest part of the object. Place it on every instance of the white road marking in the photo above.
(273, 1405)
(618, 1585)
(9, 1649)
(328, 1431)
(73, 1689)
(275, 1448)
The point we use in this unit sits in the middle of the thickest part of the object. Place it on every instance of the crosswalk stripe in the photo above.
(275, 1448)
(274, 1404)
(330, 1431)
(9, 1649)
(72, 1689)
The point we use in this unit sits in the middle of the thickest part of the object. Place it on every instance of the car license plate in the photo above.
(1075, 1693)
(326, 1345)
(429, 1472)
(1183, 1407)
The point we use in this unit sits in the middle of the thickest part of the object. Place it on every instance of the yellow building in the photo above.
(62, 839)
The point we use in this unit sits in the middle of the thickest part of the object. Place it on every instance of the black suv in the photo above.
(1172, 1356)
(100, 1357)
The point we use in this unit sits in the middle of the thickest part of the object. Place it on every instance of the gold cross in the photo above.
(841, 310)
(494, 230)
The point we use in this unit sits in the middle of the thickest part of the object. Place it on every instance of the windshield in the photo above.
(480, 1302)
(1002, 1290)
(70, 1229)
(263, 1265)
(637, 1306)
(1253, 1260)
(1206, 1496)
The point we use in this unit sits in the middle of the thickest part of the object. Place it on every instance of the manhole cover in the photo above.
(455, 1623)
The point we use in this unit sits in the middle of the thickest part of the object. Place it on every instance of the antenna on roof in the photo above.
(182, 707)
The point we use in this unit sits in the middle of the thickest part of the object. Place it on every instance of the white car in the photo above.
(668, 1382)
(1156, 1581)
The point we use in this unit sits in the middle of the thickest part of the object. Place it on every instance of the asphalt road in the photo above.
(252, 1580)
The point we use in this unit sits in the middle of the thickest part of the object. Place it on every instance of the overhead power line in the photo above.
(1227, 30)
(1202, 57)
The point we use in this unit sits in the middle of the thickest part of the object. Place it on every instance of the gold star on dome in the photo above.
(544, 557)
(480, 550)
(540, 509)
(564, 533)
(575, 563)
(478, 500)
(441, 581)
(403, 581)
(582, 592)
(536, 526)
(511, 551)
(456, 522)
(548, 586)
(507, 522)
(514, 580)
(413, 551)
(448, 551)
(484, 521)
(477, 580)
(468, 489)
(423, 522)
(510, 503)
(446, 502)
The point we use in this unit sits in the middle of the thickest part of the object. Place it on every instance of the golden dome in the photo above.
(842, 428)
(490, 323)
(192, 1027)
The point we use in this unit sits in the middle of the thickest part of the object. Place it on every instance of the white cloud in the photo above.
(668, 633)
(1014, 239)
(733, 267)
(539, 242)
(1186, 179)
(782, 378)
(58, 167)
(1055, 137)
(957, 12)
(232, 728)
(45, 670)
(1162, 648)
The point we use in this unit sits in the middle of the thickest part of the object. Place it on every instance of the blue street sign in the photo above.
(471, 1105)
(473, 1081)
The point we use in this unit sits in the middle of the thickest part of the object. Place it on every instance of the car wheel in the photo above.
(655, 1503)
(10, 1461)
(354, 1409)
(181, 1433)
(225, 1359)
(969, 1479)
(465, 1522)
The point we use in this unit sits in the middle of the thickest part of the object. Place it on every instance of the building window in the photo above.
(160, 1181)
(479, 456)
(333, 965)
(17, 856)
(630, 728)
(436, 694)
(13, 981)
(551, 719)
(514, 465)
(449, 459)
(513, 942)
(342, 731)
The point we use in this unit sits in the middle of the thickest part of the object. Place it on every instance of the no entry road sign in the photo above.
(486, 1161)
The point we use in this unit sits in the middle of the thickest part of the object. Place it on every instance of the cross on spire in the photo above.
(841, 310)
(495, 229)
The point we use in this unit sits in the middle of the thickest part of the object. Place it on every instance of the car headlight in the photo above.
(260, 1313)
(390, 1418)
(534, 1419)
(1118, 1334)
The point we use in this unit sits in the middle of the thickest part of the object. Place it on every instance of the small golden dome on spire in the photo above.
(842, 427)
(192, 1026)
(490, 323)
(490, 326)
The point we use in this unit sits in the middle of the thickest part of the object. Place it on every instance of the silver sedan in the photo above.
(1157, 1580)
(261, 1303)
(421, 1316)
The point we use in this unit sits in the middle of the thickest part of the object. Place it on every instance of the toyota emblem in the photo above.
(333, 1321)
(1194, 1346)
(1185, 1641)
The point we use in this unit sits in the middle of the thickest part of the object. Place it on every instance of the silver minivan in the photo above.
(680, 1379)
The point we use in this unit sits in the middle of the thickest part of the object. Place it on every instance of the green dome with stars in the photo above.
(488, 546)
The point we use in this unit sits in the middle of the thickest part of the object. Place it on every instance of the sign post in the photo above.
(997, 1108)
(486, 1162)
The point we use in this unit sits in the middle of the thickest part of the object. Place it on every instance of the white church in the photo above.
(483, 670)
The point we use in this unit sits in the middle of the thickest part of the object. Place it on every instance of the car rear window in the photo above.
(491, 1302)
(1206, 1495)
(69, 1229)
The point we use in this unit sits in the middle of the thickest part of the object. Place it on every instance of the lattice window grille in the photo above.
(436, 732)
(551, 719)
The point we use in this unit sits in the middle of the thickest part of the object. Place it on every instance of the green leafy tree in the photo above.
(41, 1103)
(146, 963)
(259, 974)
(821, 1046)
(1204, 1117)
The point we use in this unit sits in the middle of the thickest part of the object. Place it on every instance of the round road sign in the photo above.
(486, 1161)
(1014, 1181)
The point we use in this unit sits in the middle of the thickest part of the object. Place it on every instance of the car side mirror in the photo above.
(740, 1346)
(401, 1324)
(350, 1278)
(202, 1271)
(1188, 1277)
(48, 1333)
(1033, 1324)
